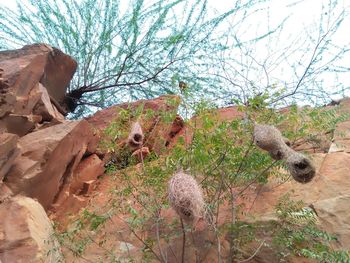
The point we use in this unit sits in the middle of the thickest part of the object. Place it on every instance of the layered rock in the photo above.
(8, 152)
(44, 157)
(33, 84)
(48, 159)
(75, 193)
(41, 154)
(26, 233)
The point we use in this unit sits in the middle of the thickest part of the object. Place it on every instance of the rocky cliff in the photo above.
(52, 168)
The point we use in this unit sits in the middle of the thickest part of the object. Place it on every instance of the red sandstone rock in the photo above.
(8, 152)
(27, 66)
(88, 170)
(327, 193)
(44, 107)
(156, 127)
(48, 159)
(79, 184)
(186, 131)
(26, 234)
(33, 83)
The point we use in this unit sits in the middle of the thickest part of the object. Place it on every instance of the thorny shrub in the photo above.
(223, 159)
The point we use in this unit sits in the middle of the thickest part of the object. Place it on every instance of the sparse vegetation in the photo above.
(223, 159)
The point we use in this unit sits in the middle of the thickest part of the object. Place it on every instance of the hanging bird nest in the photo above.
(270, 139)
(300, 167)
(136, 137)
(186, 198)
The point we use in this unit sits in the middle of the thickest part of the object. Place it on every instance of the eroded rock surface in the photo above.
(157, 120)
(48, 159)
(33, 82)
(26, 233)
(8, 152)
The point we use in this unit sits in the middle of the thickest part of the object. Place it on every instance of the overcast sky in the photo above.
(303, 16)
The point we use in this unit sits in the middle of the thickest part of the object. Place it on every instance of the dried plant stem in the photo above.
(138, 237)
(254, 254)
(183, 241)
(158, 240)
(233, 221)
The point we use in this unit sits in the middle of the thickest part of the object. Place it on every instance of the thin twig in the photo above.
(183, 241)
(254, 254)
(138, 237)
(158, 238)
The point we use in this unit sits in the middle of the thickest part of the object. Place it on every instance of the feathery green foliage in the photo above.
(225, 162)
(124, 51)
(128, 50)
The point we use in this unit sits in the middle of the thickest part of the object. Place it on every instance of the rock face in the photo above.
(38, 63)
(33, 83)
(8, 152)
(26, 234)
(76, 190)
(158, 120)
(51, 165)
(186, 131)
(40, 152)
(48, 159)
(327, 194)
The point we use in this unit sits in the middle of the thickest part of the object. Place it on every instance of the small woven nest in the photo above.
(186, 198)
(300, 167)
(135, 138)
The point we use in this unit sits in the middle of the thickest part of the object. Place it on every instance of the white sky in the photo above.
(304, 15)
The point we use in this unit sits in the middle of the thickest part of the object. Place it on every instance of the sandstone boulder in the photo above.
(74, 193)
(26, 234)
(88, 170)
(8, 152)
(26, 67)
(334, 217)
(33, 82)
(48, 159)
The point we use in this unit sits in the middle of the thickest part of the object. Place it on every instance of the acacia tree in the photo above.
(124, 51)
(146, 48)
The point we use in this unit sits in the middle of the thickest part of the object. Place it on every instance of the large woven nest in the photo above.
(186, 198)
(270, 139)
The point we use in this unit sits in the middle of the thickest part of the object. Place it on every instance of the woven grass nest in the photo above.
(136, 137)
(270, 139)
(186, 197)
